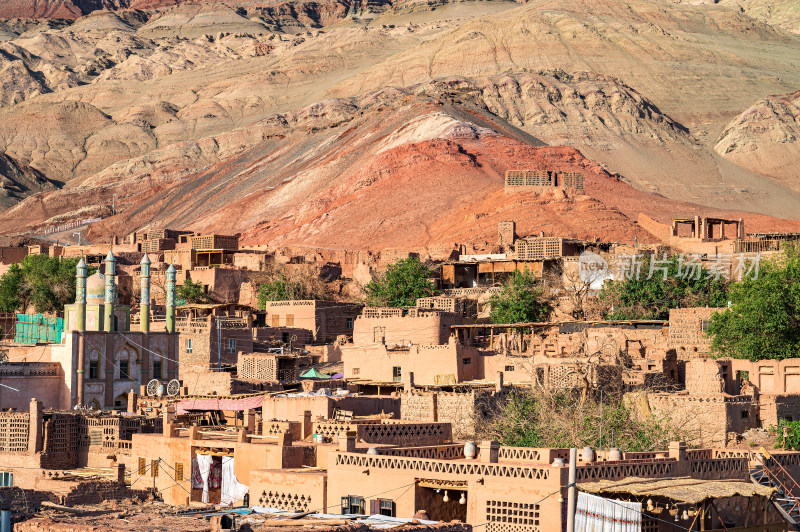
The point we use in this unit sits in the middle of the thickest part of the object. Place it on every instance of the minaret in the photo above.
(145, 296)
(171, 298)
(108, 307)
(80, 295)
(80, 325)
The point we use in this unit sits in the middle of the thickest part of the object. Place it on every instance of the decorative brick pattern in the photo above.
(505, 516)
(444, 467)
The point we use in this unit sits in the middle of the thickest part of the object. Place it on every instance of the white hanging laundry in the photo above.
(232, 489)
(204, 465)
(598, 514)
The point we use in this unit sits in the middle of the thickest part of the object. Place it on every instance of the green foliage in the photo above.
(788, 432)
(401, 285)
(763, 320)
(560, 419)
(46, 283)
(192, 292)
(520, 300)
(650, 297)
(10, 289)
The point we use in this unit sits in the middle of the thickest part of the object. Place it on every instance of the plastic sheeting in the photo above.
(204, 467)
(232, 489)
(598, 514)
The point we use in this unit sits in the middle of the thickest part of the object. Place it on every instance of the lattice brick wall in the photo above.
(506, 516)
(286, 501)
(14, 427)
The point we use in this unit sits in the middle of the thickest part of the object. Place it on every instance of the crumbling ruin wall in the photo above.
(465, 411)
(773, 408)
(97, 491)
(687, 329)
(209, 383)
(704, 376)
(705, 420)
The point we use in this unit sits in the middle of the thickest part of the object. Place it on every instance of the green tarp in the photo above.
(36, 328)
(314, 374)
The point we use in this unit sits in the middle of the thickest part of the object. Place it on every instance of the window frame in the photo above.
(94, 369)
(188, 345)
(124, 375)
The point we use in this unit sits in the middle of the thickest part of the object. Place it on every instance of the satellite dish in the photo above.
(152, 388)
(174, 387)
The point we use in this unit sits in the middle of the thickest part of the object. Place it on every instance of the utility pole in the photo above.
(219, 345)
(572, 490)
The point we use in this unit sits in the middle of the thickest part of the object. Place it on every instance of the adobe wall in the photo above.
(704, 376)
(770, 376)
(423, 328)
(708, 420)
(686, 329)
(431, 364)
(773, 408)
(23, 381)
(208, 382)
(290, 490)
(293, 408)
(465, 411)
(172, 451)
(492, 491)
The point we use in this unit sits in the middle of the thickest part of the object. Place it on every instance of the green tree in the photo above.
(46, 283)
(657, 285)
(10, 289)
(192, 292)
(763, 320)
(520, 300)
(401, 285)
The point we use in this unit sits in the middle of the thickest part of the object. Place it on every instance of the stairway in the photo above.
(785, 499)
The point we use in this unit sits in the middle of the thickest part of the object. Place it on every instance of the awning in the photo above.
(683, 489)
(208, 403)
(314, 374)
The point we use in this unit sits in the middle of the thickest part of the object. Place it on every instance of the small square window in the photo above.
(509, 368)
(350, 324)
(231, 345)
(356, 371)
(290, 320)
(467, 361)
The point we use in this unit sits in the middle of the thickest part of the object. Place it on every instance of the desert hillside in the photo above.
(388, 123)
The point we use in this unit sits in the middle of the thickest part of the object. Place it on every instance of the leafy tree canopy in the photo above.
(404, 282)
(46, 283)
(763, 320)
(656, 285)
(192, 292)
(520, 300)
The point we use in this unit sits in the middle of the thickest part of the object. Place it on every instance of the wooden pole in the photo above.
(572, 491)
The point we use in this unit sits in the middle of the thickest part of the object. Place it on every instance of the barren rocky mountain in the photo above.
(301, 117)
(766, 138)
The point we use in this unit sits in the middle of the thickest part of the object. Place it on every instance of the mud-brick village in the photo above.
(399, 265)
